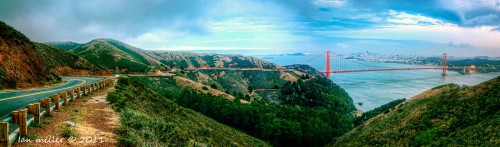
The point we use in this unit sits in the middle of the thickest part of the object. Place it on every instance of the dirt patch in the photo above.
(93, 117)
(288, 77)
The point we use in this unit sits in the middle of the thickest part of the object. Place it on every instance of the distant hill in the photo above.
(115, 55)
(67, 64)
(448, 115)
(149, 119)
(197, 60)
(64, 45)
(123, 58)
(20, 64)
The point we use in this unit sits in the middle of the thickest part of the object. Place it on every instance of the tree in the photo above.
(250, 88)
(213, 86)
(204, 88)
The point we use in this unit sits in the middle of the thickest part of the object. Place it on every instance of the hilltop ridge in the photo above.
(115, 55)
(68, 64)
(64, 45)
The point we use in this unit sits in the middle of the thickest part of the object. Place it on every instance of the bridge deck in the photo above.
(388, 69)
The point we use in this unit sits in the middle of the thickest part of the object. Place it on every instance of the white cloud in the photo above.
(190, 48)
(148, 38)
(411, 19)
(342, 45)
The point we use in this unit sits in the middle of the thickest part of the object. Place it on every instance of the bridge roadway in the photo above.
(11, 101)
(389, 69)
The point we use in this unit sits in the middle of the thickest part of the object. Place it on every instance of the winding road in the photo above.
(11, 101)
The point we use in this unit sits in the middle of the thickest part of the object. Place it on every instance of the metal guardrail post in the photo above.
(4, 134)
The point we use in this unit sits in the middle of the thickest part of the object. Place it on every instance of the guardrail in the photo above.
(17, 124)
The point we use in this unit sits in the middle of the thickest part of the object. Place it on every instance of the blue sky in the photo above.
(423, 27)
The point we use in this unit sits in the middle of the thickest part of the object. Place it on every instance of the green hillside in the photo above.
(64, 45)
(149, 119)
(66, 63)
(312, 111)
(116, 56)
(448, 115)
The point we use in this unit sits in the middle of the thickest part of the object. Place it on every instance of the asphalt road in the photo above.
(11, 101)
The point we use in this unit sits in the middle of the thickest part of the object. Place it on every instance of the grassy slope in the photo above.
(446, 115)
(148, 119)
(65, 63)
(110, 54)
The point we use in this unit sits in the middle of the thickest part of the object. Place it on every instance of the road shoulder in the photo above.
(90, 121)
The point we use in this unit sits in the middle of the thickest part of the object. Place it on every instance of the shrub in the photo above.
(213, 86)
(67, 131)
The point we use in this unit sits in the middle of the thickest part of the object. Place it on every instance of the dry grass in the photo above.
(199, 87)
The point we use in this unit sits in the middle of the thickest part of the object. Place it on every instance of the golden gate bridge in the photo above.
(343, 65)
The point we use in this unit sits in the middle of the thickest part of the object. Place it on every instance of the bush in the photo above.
(213, 86)
(67, 131)
(204, 88)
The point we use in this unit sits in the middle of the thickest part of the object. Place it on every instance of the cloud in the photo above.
(489, 19)
(197, 48)
(463, 13)
(342, 45)
(496, 29)
(460, 45)
(63, 20)
(411, 19)
(239, 24)
(432, 8)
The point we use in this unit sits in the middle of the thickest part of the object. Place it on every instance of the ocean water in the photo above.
(373, 89)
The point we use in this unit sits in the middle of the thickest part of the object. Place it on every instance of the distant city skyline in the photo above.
(425, 27)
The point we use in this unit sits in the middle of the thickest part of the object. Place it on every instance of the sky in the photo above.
(420, 27)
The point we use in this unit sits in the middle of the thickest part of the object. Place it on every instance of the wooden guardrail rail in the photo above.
(20, 119)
